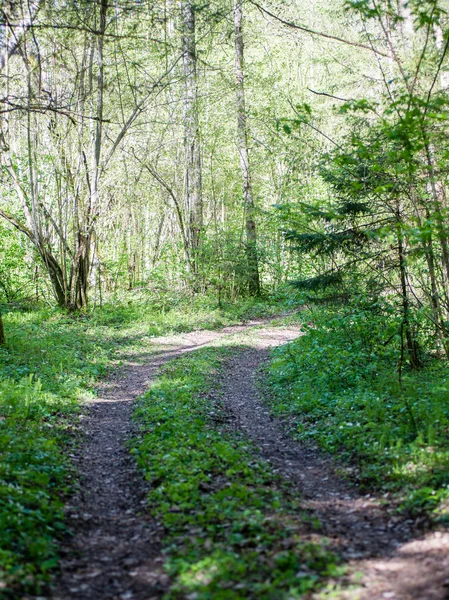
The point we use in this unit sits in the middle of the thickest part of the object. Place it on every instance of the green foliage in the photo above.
(232, 528)
(33, 476)
(382, 232)
(160, 313)
(319, 282)
(325, 244)
(340, 383)
(425, 12)
(46, 368)
(15, 269)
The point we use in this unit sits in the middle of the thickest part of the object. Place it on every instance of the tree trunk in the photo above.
(412, 348)
(56, 275)
(15, 25)
(79, 274)
(439, 203)
(193, 192)
(242, 137)
(2, 332)
(440, 326)
(441, 331)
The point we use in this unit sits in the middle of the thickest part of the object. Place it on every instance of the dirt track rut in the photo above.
(114, 553)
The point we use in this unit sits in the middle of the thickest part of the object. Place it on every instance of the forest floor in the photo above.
(117, 551)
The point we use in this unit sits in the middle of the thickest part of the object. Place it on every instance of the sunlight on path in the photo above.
(115, 551)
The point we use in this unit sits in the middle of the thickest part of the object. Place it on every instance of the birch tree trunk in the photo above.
(15, 20)
(242, 138)
(193, 192)
(81, 267)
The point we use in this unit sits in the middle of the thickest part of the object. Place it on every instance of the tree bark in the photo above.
(193, 191)
(441, 331)
(14, 27)
(81, 265)
(242, 138)
(438, 193)
(412, 347)
(52, 266)
(2, 332)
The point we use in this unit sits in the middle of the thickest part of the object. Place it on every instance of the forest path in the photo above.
(397, 560)
(115, 551)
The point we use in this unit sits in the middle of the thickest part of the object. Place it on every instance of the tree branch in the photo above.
(17, 224)
(313, 32)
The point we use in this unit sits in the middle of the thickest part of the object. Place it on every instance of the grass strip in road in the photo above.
(233, 528)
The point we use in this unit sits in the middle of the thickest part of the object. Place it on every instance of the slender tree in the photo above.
(193, 186)
(2, 332)
(242, 139)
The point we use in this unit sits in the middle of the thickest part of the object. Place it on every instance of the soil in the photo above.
(114, 552)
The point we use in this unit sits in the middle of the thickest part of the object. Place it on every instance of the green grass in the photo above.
(47, 369)
(341, 385)
(33, 476)
(156, 315)
(232, 528)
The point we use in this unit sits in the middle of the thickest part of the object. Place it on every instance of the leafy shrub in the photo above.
(45, 370)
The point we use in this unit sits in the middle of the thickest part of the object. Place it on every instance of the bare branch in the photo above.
(314, 32)
(329, 95)
(6, 50)
(17, 224)
(136, 112)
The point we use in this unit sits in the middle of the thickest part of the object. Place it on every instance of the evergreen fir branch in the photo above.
(326, 243)
(319, 282)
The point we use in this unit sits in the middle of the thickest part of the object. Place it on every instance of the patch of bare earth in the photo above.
(115, 552)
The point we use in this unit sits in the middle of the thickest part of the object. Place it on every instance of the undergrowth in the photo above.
(232, 528)
(176, 313)
(341, 385)
(48, 367)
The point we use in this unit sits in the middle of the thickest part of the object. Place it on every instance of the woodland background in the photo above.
(168, 165)
(223, 148)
